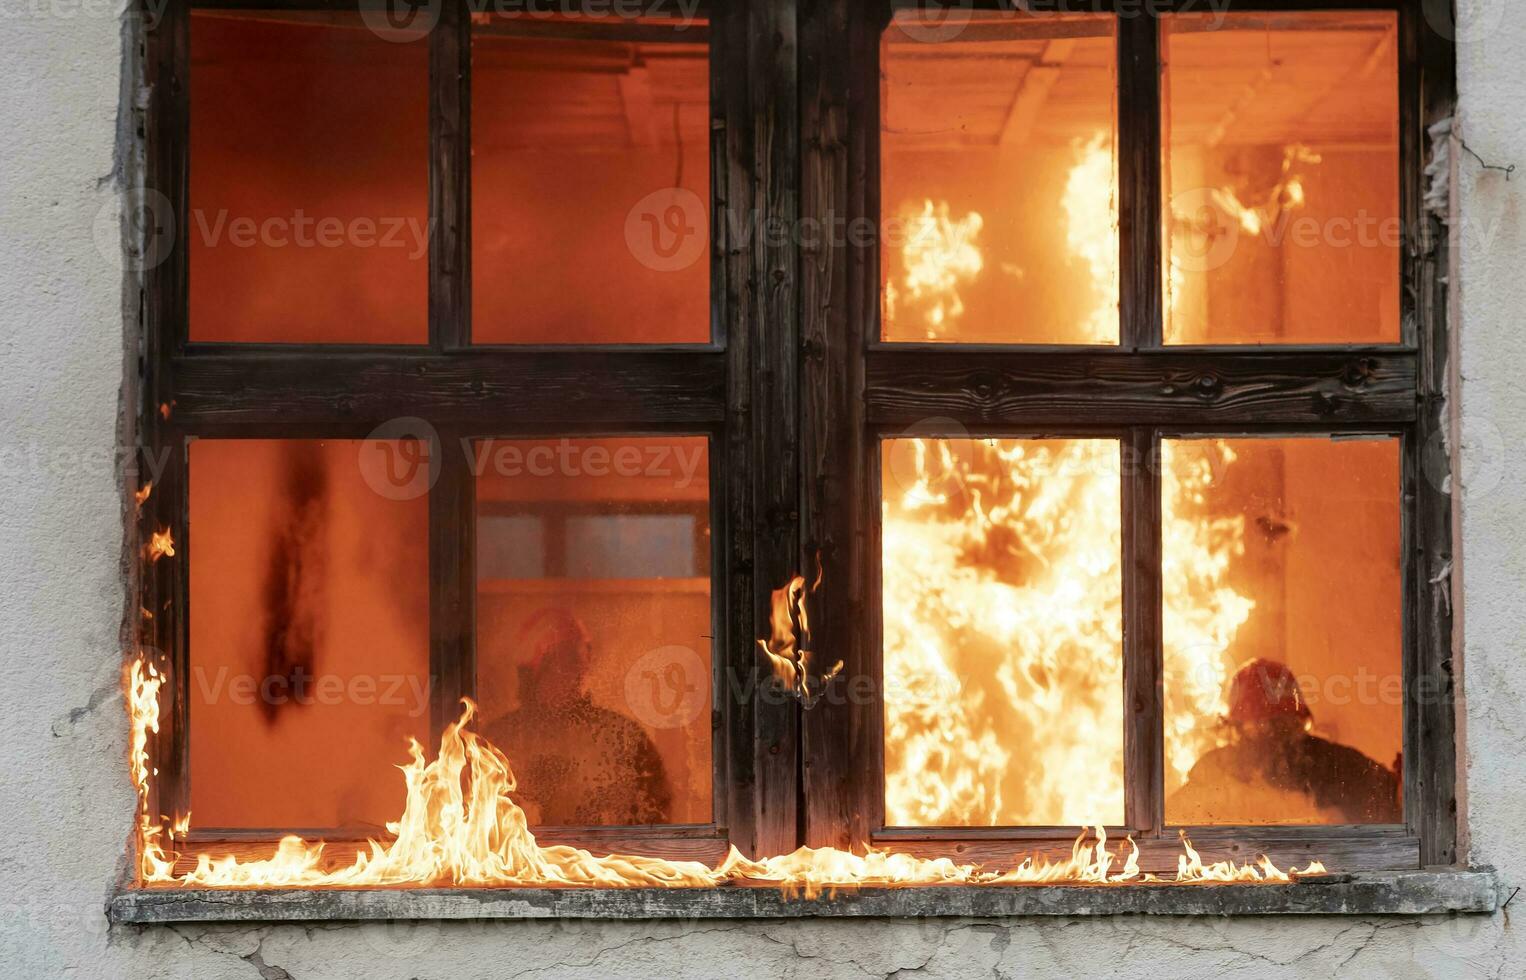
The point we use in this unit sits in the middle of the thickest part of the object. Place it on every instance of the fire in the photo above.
(1002, 615)
(1003, 645)
(160, 545)
(939, 254)
(788, 651)
(141, 497)
(1091, 224)
(143, 684)
(1201, 614)
(1003, 639)
(460, 826)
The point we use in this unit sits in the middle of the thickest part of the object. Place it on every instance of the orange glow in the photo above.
(161, 544)
(1281, 164)
(788, 651)
(141, 497)
(460, 826)
(1006, 239)
(940, 253)
(1003, 632)
(143, 682)
(1001, 575)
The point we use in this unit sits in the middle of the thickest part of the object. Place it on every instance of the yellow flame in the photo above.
(143, 684)
(788, 651)
(1091, 223)
(1003, 594)
(161, 544)
(460, 826)
(1051, 506)
(939, 254)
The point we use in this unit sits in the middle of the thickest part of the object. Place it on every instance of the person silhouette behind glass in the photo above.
(576, 763)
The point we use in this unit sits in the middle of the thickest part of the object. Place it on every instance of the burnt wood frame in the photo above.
(186, 390)
(859, 390)
(795, 390)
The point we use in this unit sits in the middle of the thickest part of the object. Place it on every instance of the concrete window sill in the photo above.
(1376, 893)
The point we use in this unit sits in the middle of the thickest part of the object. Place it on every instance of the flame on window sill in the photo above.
(461, 827)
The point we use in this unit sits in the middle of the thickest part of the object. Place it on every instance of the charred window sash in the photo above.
(1138, 392)
(734, 389)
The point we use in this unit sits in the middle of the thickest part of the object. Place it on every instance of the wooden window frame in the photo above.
(795, 390)
(188, 390)
(858, 390)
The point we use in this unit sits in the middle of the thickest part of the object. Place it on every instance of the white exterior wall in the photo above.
(64, 795)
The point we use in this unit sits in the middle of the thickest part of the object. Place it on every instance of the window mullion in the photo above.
(1144, 713)
(452, 578)
(1139, 182)
(450, 179)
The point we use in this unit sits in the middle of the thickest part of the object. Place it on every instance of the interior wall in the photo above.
(64, 788)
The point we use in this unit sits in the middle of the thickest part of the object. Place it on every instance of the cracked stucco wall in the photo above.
(65, 798)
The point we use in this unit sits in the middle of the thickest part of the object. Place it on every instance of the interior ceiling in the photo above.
(1238, 84)
(1243, 84)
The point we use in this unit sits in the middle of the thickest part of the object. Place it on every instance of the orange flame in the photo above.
(160, 545)
(143, 684)
(141, 497)
(460, 826)
(939, 254)
(1003, 593)
(788, 651)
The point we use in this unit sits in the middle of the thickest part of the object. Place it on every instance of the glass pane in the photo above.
(309, 632)
(1283, 619)
(590, 179)
(1282, 177)
(998, 180)
(1003, 654)
(593, 640)
(309, 179)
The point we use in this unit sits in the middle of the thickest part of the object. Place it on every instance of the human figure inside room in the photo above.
(576, 762)
(1274, 769)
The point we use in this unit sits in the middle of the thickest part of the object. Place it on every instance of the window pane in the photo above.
(998, 179)
(1283, 622)
(590, 180)
(309, 632)
(1003, 652)
(309, 179)
(1282, 177)
(593, 642)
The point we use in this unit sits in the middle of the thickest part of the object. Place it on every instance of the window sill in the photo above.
(1375, 893)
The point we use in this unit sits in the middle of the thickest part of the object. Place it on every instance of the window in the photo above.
(1083, 365)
